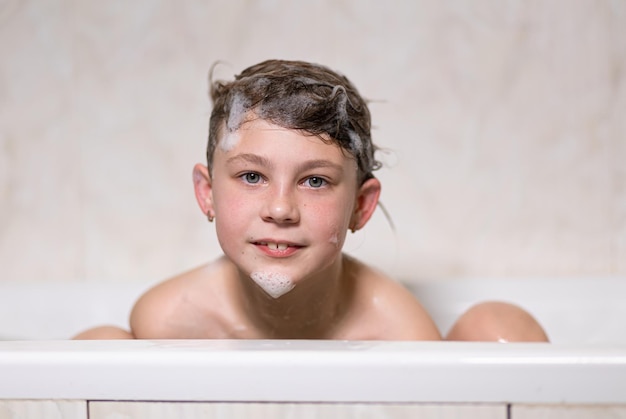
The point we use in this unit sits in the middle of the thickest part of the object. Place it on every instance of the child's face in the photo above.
(283, 202)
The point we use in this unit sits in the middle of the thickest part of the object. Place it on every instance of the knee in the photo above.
(104, 332)
(497, 322)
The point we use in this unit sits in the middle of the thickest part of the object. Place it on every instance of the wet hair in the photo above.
(295, 95)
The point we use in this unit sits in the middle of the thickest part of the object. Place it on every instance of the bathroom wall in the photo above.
(504, 126)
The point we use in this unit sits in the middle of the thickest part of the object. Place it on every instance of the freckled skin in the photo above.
(282, 203)
(262, 192)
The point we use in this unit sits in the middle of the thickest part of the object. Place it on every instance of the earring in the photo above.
(210, 216)
(354, 222)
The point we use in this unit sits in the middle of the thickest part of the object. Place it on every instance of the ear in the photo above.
(366, 202)
(203, 189)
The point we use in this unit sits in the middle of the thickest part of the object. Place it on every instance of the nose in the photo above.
(281, 206)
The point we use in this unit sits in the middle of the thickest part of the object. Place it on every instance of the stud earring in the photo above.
(210, 217)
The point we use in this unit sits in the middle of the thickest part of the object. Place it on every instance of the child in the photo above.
(289, 172)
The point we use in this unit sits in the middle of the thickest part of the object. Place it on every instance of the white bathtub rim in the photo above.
(313, 371)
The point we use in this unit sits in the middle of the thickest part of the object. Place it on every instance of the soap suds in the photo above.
(356, 143)
(229, 141)
(238, 110)
(273, 283)
(342, 101)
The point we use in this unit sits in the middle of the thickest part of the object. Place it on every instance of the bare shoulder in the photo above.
(391, 307)
(168, 309)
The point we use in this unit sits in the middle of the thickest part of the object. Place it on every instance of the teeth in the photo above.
(277, 246)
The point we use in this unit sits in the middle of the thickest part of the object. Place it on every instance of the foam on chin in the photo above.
(273, 283)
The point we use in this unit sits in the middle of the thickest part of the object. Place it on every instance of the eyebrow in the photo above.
(250, 158)
(262, 161)
(320, 163)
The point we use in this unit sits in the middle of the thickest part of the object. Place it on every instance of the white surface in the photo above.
(309, 371)
(585, 364)
(48, 310)
(572, 310)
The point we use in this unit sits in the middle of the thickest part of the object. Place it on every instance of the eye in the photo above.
(251, 177)
(315, 182)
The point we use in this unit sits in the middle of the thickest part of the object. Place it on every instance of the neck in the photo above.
(308, 311)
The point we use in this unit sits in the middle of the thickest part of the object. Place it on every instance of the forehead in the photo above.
(273, 141)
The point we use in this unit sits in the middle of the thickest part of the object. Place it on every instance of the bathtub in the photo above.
(581, 374)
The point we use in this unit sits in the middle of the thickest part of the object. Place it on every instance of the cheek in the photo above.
(227, 202)
(337, 238)
(332, 220)
(231, 214)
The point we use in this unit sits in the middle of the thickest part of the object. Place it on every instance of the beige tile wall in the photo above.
(49, 409)
(505, 121)
(77, 409)
(150, 410)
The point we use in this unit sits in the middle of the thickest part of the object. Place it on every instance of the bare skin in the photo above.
(495, 321)
(281, 214)
(210, 302)
(284, 214)
(177, 309)
(104, 333)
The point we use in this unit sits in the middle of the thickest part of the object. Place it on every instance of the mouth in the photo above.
(277, 248)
